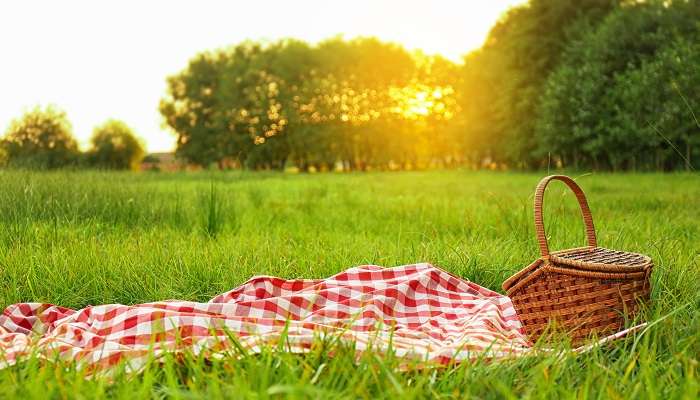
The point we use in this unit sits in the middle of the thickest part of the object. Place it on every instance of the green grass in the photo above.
(80, 238)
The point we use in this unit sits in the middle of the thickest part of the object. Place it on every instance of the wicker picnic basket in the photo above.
(582, 291)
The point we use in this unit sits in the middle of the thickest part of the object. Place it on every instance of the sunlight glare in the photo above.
(120, 73)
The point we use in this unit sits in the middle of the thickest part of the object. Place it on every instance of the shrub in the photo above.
(115, 146)
(41, 138)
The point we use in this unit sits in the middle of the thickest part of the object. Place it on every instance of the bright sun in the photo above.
(421, 101)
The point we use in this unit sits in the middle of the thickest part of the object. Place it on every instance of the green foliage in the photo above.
(359, 102)
(601, 84)
(583, 84)
(115, 146)
(85, 238)
(41, 138)
(504, 79)
(625, 93)
(190, 109)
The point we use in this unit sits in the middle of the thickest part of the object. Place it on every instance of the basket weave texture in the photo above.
(582, 291)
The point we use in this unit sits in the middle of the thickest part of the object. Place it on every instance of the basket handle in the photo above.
(582, 202)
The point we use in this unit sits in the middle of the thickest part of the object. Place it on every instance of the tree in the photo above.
(505, 78)
(624, 93)
(115, 146)
(654, 112)
(190, 108)
(41, 138)
(264, 106)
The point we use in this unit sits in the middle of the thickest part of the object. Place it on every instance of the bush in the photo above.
(115, 146)
(41, 138)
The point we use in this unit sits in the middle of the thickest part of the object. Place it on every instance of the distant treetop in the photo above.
(41, 138)
(115, 146)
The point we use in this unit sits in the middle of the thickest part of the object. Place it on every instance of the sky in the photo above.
(98, 60)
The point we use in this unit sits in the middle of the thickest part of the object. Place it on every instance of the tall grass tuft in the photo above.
(213, 221)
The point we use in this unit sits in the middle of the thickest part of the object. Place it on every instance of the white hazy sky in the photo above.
(109, 59)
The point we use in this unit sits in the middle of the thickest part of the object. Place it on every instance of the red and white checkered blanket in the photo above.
(418, 311)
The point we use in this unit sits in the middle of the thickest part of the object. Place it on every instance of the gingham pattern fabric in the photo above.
(419, 311)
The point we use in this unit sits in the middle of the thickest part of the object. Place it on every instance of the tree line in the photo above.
(43, 139)
(582, 84)
(360, 103)
(596, 84)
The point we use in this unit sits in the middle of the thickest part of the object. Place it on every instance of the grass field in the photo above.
(82, 238)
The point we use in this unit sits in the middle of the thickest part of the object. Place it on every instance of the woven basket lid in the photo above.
(601, 259)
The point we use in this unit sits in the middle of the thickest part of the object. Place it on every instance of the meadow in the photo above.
(81, 238)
